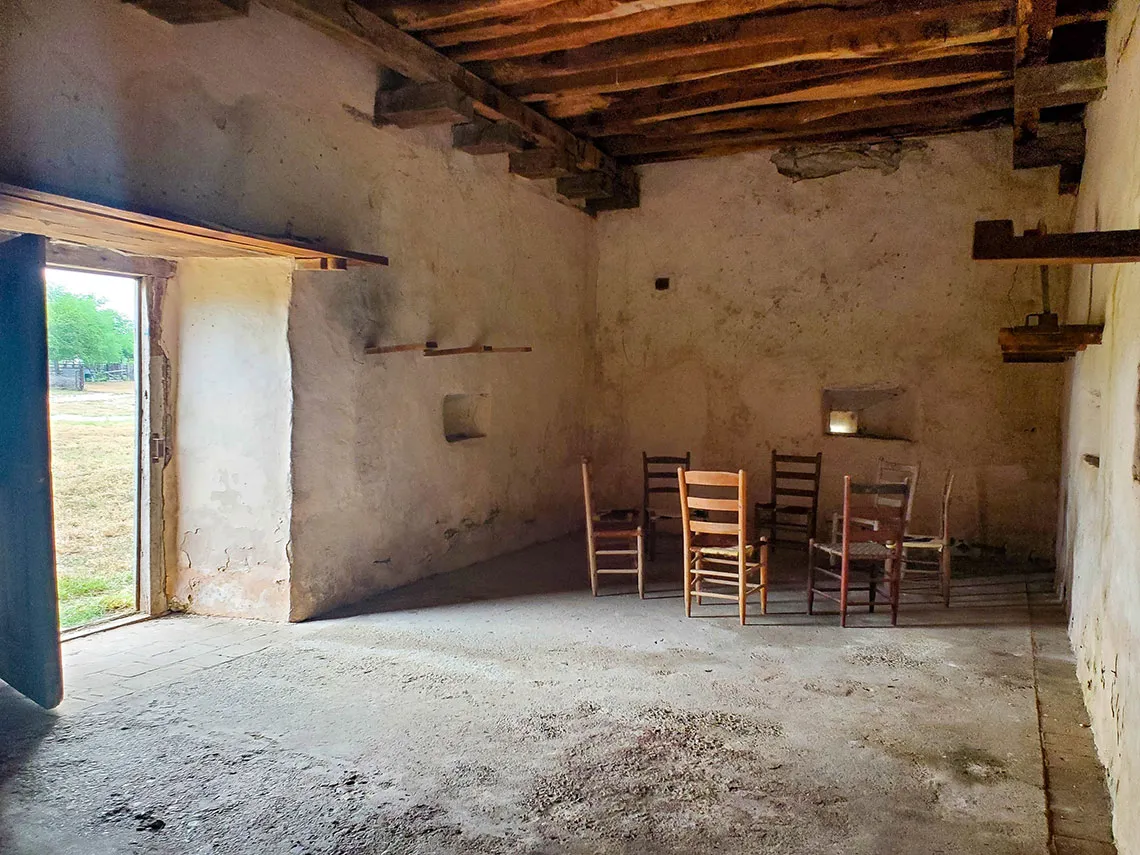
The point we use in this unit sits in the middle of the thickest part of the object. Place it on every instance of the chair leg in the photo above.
(697, 586)
(651, 525)
(811, 576)
(844, 579)
(894, 572)
(688, 586)
(640, 566)
(742, 586)
(763, 578)
(593, 560)
(944, 560)
(871, 592)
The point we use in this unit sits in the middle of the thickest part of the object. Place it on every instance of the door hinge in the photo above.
(159, 449)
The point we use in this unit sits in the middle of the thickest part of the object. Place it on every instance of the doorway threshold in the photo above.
(103, 626)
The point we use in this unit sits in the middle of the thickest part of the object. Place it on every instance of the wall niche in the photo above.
(466, 416)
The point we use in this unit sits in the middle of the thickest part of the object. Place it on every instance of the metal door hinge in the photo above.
(159, 449)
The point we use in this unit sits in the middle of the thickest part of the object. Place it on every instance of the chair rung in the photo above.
(615, 552)
(614, 570)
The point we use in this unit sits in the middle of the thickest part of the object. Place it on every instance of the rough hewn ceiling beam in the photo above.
(363, 30)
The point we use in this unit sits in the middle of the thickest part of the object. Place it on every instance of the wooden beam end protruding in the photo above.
(419, 104)
(483, 137)
(192, 11)
(1053, 144)
(626, 194)
(994, 240)
(539, 163)
(1059, 84)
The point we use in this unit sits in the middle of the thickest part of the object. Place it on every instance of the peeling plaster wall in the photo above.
(779, 289)
(1099, 549)
(254, 123)
(233, 407)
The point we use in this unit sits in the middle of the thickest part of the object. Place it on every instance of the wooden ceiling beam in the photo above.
(1060, 83)
(549, 17)
(857, 136)
(1035, 22)
(935, 111)
(193, 11)
(886, 79)
(813, 34)
(353, 25)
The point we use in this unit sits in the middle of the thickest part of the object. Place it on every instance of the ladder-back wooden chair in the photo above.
(888, 473)
(790, 517)
(872, 538)
(917, 548)
(614, 539)
(659, 476)
(717, 551)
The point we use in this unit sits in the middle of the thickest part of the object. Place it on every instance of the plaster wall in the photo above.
(256, 123)
(1099, 547)
(231, 501)
(779, 289)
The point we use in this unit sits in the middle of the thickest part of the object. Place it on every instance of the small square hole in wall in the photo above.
(466, 416)
(661, 283)
(874, 412)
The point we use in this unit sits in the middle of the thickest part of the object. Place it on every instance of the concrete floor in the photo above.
(501, 709)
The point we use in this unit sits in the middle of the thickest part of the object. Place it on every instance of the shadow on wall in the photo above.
(24, 726)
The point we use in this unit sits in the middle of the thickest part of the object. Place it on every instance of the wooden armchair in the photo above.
(790, 516)
(872, 528)
(720, 541)
(659, 475)
(614, 539)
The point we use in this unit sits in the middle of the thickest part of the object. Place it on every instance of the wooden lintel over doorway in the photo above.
(89, 224)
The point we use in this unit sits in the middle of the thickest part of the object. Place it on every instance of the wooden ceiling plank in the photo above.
(718, 91)
(853, 44)
(883, 80)
(355, 26)
(548, 37)
(824, 33)
(791, 116)
(432, 15)
(939, 111)
(562, 12)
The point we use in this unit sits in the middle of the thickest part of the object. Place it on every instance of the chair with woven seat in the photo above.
(790, 516)
(659, 476)
(718, 541)
(872, 530)
(614, 539)
(917, 548)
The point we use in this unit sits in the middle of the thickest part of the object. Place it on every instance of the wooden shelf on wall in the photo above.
(431, 348)
(994, 240)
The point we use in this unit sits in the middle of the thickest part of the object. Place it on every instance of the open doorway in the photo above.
(93, 343)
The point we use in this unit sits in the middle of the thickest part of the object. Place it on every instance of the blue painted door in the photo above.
(29, 609)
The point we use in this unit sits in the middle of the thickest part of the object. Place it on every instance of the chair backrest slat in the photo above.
(731, 527)
(863, 504)
(659, 475)
(898, 473)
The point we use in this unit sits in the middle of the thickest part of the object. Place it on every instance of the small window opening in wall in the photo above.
(871, 412)
(466, 416)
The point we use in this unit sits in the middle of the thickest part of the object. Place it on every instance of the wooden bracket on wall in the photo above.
(424, 346)
(994, 240)
(476, 348)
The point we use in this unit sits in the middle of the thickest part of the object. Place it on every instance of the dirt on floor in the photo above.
(503, 709)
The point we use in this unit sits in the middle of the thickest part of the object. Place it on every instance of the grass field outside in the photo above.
(93, 465)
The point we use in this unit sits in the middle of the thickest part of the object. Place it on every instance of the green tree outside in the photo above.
(80, 327)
